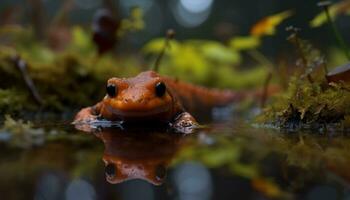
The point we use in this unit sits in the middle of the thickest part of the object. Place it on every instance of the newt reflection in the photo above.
(137, 154)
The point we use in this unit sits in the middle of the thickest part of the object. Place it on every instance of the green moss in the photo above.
(12, 100)
(22, 135)
(307, 104)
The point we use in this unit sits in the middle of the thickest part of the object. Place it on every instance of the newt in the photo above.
(151, 97)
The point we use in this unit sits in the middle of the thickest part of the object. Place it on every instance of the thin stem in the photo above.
(21, 65)
(265, 89)
(169, 35)
(261, 58)
(38, 17)
(258, 56)
(337, 34)
(160, 56)
(299, 46)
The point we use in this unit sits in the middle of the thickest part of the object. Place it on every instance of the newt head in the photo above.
(118, 171)
(145, 96)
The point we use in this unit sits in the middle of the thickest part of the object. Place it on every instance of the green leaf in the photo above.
(343, 7)
(220, 53)
(244, 42)
(156, 45)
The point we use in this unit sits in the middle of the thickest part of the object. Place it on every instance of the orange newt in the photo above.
(152, 97)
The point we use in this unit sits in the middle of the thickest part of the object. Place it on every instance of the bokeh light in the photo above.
(193, 181)
(196, 6)
(189, 16)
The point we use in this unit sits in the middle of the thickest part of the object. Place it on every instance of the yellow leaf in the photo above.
(321, 18)
(244, 42)
(335, 10)
(80, 37)
(267, 25)
(136, 13)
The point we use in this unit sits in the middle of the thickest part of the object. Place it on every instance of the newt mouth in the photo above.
(120, 113)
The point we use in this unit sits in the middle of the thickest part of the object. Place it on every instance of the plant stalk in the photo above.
(337, 34)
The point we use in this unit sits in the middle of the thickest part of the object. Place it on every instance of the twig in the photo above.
(265, 89)
(38, 17)
(297, 42)
(22, 66)
(169, 35)
(258, 56)
(264, 61)
(339, 38)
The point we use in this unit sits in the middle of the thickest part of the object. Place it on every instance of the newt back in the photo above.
(198, 99)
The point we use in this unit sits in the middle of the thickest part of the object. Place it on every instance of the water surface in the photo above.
(231, 160)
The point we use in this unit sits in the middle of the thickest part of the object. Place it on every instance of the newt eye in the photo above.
(110, 170)
(160, 172)
(111, 90)
(160, 89)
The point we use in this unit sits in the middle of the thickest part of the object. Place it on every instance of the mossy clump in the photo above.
(21, 134)
(311, 100)
(309, 105)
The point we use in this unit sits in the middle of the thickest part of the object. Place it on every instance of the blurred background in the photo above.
(200, 19)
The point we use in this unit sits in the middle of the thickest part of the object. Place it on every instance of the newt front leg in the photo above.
(185, 123)
(88, 114)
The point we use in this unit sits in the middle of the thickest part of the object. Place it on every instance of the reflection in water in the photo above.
(80, 189)
(137, 154)
(193, 181)
(49, 186)
(145, 191)
(322, 192)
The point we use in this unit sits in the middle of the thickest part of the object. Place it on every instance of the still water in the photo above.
(228, 160)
